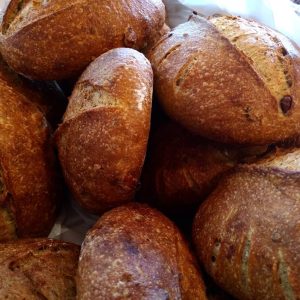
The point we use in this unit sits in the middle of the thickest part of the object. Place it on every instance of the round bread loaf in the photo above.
(102, 141)
(247, 232)
(134, 252)
(29, 185)
(56, 39)
(181, 168)
(38, 269)
(229, 79)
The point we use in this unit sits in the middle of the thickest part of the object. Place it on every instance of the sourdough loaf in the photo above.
(102, 141)
(229, 79)
(134, 252)
(38, 269)
(247, 231)
(181, 168)
(29, 184)
(56, 39)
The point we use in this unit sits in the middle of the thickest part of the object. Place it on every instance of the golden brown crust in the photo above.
(208, 85)
(247, 232)
(28, 172)
(102, 142)
(38, 269)
(181, 169)
(134, 252)
(59, 39)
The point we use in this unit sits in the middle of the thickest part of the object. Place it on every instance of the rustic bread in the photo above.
(29, 185)
(181, 169)
(247, 231)
(102, 141)
(51, 40)
(134, 252)
(229, 79)
(38, 269)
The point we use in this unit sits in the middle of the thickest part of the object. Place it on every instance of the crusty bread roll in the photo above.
(102, 141)
(134, 252)
(181, 168)
(51, 40)
(247, 232)
(38, 269)
(29, 186)
(229, 79)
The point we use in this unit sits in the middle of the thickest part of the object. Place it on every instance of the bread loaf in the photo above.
(29, 187)
(229, 79)
(38, 269)
(102, 141)
(247, 231)
(51, 40)
(134, 252)
(182, 169)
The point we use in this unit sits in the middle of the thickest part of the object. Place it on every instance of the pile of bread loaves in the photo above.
(222, 153)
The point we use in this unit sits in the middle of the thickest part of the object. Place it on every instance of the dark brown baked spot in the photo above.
(289, 80)
(248, 114)
(216, 251)
(286, 104)
(230, 252)
(127, 277)
(284, 51)
(130, 37)
(276, 237)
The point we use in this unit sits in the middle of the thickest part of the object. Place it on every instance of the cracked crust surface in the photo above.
(103, 139)
(265, 53)
(215, 82)
(134, 252)
(56, 39)
(247, 231)
(38, 269)
(29, 179)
